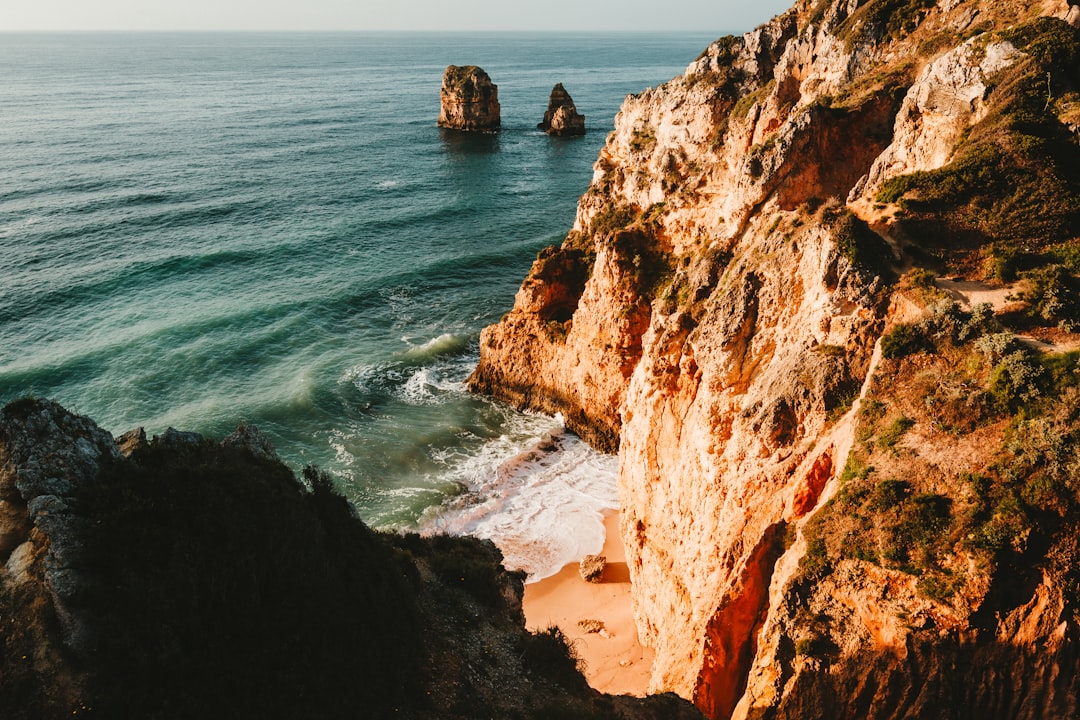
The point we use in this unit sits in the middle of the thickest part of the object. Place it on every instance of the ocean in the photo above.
(198, 230)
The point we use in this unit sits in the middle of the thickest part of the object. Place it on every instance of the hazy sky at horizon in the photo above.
(708, 16)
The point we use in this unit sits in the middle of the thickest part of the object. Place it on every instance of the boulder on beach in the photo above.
(592, 568)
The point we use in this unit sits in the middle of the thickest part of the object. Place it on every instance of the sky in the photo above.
(706, 16)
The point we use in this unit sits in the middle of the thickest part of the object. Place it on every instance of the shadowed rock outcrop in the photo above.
(183, 577)
(562, 118)
(469, 100)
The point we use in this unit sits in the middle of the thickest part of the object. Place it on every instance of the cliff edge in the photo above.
(837, 489)
(180, 577)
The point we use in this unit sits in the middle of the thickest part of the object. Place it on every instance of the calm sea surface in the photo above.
(203, 229)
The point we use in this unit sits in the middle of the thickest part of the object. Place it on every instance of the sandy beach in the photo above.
(615, 662)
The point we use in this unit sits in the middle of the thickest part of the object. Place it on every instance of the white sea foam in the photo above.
(540, 500)
(423, 388)
(342, 456)
(537, 491)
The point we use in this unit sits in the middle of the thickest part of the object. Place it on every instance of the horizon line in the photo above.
(339, 31)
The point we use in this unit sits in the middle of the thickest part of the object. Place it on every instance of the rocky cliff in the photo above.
(468, 100)
(836, 492)
(179, 577)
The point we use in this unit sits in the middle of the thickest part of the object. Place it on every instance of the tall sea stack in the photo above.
(470, 101)
(562, 117)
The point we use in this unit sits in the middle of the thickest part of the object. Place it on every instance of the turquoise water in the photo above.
(203, 229)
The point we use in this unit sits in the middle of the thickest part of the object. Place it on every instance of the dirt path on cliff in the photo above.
(1001, 298)
(968, 293)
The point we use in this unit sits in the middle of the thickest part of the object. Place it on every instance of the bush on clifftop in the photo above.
(224, 587)
(1015, 178)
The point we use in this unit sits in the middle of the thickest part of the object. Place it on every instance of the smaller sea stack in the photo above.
(470, 101)
(562, 117)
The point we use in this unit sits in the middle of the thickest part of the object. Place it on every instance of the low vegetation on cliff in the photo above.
(958, 379)
(1014, 181)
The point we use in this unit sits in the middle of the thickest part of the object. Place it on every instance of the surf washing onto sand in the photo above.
(202, 229)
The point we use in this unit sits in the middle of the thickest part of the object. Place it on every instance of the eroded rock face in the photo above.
(46, 454)
(713, 314)
(945, 102)
(562, 117)
(469, 100)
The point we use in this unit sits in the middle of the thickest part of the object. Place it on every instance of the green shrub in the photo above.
(891, 435)
(996, 346)
(1062, 372)
(927, 515)
(904, 339)
(855, 468)
(815, 646)
(833, 351)
(889, 495)
(643, 138)
(1007, 530)
(979, 322)
(1067, 253)
(551, 654)
(921, 279)
(1016, 380)
(815, 562)
(1054, 295)
(612, 218)
(936, 587)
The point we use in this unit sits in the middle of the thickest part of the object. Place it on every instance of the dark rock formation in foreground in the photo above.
(182, 578)
(562, 117)
(470, 101)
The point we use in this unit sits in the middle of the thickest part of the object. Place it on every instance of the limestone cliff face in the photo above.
(469, 101)
(714, 314)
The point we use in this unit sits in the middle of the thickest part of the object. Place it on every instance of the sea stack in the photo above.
(562, 117)
(470, 101)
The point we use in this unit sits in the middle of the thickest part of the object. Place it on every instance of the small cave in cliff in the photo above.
(564, 273)
(729, 654)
